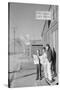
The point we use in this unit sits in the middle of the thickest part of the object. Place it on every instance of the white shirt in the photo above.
(43, 58)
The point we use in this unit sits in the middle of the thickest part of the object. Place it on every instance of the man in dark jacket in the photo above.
(54, 62)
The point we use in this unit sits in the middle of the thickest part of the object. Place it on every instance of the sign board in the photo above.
(43, 15)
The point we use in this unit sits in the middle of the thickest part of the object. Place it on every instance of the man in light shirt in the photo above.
(37, 62)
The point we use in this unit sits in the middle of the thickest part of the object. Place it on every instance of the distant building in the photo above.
(36, 45)
(17, 46)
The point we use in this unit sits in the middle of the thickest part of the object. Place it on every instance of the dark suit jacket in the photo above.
(49, 55)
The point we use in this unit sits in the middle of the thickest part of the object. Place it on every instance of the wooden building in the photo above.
(50, 31)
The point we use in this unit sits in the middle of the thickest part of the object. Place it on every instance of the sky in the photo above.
(22, 18)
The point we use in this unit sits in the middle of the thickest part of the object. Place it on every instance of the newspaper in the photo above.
(35, 59)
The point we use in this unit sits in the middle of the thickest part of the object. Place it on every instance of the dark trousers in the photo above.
(39, 71)
(54, 67)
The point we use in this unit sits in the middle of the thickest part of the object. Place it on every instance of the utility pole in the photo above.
(14, 38)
